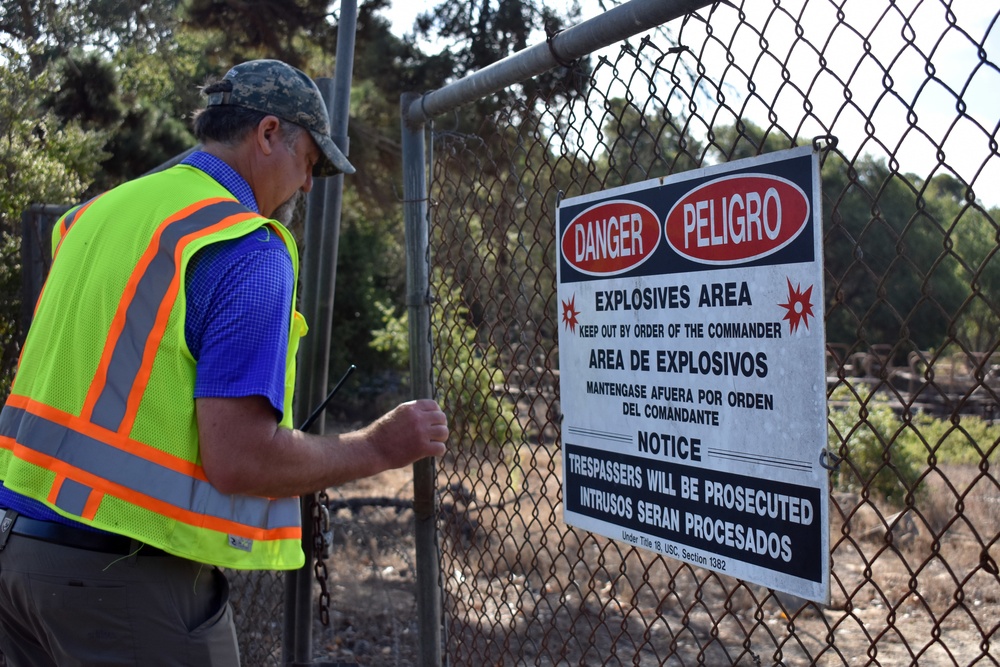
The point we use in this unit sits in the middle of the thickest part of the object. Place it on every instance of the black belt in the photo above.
(80, 538)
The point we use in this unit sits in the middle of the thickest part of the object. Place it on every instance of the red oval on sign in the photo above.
(735, 219)
(611, 238)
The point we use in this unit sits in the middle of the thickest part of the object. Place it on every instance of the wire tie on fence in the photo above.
(425, 508)
(825, 455)
(568, 64)
(680, 48)
(824, 142)
(420, 300)
(423, 109)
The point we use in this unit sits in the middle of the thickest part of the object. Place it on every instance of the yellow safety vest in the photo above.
(100, 424)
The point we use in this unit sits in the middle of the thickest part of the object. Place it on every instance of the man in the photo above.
(147, 439)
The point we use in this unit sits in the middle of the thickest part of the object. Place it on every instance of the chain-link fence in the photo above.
(910, 233)
(902, 96)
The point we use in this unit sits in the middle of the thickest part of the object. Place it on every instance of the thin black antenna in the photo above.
(322, 406)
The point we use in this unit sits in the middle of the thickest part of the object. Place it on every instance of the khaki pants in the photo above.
(62, 606)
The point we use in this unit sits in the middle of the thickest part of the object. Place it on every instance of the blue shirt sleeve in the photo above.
(239, 296)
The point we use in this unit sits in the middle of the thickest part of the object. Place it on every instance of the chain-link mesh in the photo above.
(257, 598)
(901, 97)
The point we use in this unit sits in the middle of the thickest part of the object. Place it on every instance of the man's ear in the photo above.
(268, 130)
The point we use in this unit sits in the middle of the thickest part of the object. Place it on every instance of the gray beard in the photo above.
(286, 213)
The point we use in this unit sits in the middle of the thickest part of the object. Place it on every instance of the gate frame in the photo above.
(614, 25)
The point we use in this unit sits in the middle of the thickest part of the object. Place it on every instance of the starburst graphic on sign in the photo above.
(569, 313)
(799, 306)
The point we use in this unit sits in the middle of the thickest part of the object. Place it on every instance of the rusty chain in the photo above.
(322, 543)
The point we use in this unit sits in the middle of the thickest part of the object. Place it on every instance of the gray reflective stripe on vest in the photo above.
(139, 475)
(73, 496)
(140, 316)
(71, 215)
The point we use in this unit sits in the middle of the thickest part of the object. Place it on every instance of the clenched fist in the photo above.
(409, 432)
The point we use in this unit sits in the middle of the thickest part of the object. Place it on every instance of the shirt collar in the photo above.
(226, 176)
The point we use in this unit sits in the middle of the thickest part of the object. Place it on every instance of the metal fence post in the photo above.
(418, 309)
(319, 269)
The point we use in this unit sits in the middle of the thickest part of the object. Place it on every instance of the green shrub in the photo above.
(968, 441)
(877, 459)
(465, 372)
(886, 454)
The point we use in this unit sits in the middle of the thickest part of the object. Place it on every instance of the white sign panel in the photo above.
(691, 353)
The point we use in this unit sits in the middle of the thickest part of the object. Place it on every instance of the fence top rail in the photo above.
(612, 26)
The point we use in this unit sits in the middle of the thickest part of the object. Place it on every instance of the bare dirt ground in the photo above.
(371, 578)
(523, 589)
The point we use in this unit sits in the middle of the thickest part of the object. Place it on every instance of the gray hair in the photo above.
(231, 124)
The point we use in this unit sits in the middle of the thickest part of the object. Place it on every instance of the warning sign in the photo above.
(692, 378)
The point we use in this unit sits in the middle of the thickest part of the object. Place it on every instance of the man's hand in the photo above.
(411, 431)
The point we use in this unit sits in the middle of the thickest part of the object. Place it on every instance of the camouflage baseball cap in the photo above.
(281, 90)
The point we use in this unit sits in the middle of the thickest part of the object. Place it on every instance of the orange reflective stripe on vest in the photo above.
(142, 314)
(68, 219)
(158, 481)
(59, 233)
